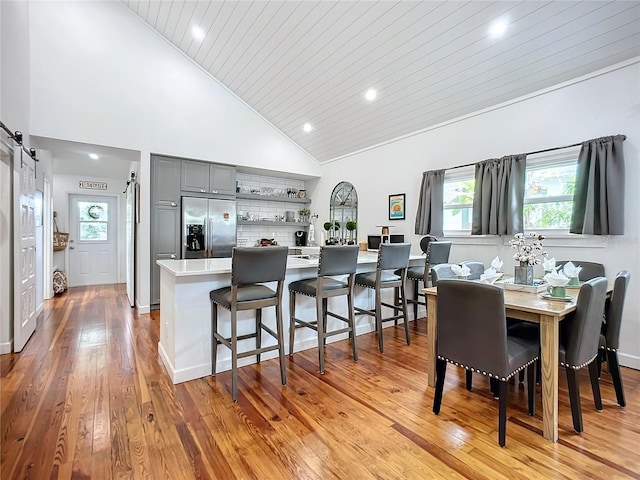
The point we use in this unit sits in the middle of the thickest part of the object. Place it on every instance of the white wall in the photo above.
(100, 76)
(602, 105)
(65, 185)
(14, 112)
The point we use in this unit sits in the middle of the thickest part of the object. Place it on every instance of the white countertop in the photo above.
(211, 266)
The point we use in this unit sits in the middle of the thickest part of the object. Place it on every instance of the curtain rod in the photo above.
(528, 153)
(17, 137)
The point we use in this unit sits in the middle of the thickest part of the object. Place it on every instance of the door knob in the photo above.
(173, 256)
(71, 248)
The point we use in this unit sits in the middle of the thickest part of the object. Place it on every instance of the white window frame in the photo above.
(457, 174)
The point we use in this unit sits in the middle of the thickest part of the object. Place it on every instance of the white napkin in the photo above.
(571, 271)
(496, 264)
(556, 279)
(490, 275)
(461, 270)
(549, 265)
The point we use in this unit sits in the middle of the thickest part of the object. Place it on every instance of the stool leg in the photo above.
(214, 340)
(352, 323)
(292, 320)
(280, 333)
(258, 331)
(379, 320)
(404, 314)
(325, 317)
(320, 329)
(415, 298)
(234, 355)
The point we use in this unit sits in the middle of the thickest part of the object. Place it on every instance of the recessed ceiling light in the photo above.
(498, 28)
(371, 95)
(93, 156)
(197, 32)
(307, 127)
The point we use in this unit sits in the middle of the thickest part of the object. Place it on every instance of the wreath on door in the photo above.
(95, 211)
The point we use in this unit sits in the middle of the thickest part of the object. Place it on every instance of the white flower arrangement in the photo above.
(528, 253)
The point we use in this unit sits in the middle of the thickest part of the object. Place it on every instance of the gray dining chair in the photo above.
(589, 269)
(251, 268)
(476, 269)
(472, 334)
(610, 333)
(579, 344)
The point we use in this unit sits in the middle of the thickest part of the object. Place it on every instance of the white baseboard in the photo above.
(6, 347)
(143, 308)
(631, 361)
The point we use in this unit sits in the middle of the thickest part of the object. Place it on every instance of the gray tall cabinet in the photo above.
(170, 178)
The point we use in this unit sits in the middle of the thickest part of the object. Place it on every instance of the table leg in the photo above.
(432, 329)
(549, 338)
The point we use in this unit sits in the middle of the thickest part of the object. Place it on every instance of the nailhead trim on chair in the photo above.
(562, 364)
(609, 349)
(488, 374)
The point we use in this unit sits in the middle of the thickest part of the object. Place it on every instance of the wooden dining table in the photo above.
(532, 308)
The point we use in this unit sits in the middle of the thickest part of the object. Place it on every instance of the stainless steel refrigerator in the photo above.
(208, 227)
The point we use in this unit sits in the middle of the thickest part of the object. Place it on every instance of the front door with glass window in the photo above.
(93, 256)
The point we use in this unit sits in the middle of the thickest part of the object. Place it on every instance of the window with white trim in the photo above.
(458, 200)
(549, 185)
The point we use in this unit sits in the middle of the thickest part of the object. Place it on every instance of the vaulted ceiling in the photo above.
(297, 62)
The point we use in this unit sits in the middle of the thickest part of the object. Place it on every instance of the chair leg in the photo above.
(292, 322)
(441, 370)
(531, 388)
(502, 412)
(258, 332)
(379, 320)
(595, 384)
(614, 370)
(325, 316)
(320, 328)
(280, 333)
(469, 380)
(214, 340)
(407, 334)
(521, 376)
(599, 361)
(574, 398)
(352, 322)
(396, 303)
(495, 388)
(234, 355)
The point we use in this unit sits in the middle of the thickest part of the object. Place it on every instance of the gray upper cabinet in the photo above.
(203, 177)
(166, 181)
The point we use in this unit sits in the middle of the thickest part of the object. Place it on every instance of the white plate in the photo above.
(548, 296)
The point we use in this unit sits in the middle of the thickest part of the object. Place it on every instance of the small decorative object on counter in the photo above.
(302, 194)
(351, 226)
(527, 255)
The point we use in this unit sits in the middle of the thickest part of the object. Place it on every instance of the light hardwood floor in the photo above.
(89, 398)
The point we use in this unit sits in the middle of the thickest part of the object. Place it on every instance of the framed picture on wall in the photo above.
(396, 206)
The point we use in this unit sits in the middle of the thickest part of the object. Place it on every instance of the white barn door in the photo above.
(24, 227)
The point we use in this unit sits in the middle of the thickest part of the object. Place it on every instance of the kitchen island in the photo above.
(185, 312)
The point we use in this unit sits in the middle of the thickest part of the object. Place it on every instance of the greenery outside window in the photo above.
(458, 200)
(548, 197)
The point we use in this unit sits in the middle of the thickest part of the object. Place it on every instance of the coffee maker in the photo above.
(301, 238)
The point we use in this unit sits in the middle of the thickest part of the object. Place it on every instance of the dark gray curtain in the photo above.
(429, 216)
(498, 197)
(598, 200)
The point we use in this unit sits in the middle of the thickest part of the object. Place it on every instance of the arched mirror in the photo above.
(343, 212)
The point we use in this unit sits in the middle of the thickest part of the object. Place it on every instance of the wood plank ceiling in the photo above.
(298, 62)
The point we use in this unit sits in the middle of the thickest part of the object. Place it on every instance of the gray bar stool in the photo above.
(391, 272)
(436, 253)
(334, 261)
(250, 268)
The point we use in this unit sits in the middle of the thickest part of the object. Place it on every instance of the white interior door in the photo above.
(93, 257)
(24, 319)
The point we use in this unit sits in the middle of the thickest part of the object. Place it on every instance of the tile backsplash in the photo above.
(263, 208)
